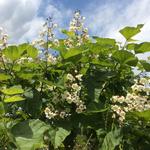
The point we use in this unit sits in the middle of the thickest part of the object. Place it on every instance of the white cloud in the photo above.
(106, 20)
(19, 18)
(60, 14)
(21, 21)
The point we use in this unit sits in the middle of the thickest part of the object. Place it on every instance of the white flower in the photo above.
(55, 25)
(115, 108)
(52, 59)
(143, 81)
(56, 42)
(70, 77)
(76, 87)
(79, 77)
(62, 114)
(49, 114)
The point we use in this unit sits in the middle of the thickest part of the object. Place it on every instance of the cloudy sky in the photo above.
(22, 19)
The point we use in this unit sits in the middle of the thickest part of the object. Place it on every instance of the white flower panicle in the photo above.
(70, 95)
(47, 34)
(77, 27)
(77, 22)
(73, 95)
(3, 38)
(133, 101)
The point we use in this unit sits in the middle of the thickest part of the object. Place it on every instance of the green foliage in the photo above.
(129, 32)
(58, 136)
(35, 113)
(111, 140)
(29, 134)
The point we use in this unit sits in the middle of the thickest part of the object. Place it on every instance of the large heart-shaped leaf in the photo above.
(12, 52)
(29, 134)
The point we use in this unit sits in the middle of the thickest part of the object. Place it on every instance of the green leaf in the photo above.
(13, 90)
(142, 48)
(111, 140)
(143, 115)
(129, 32)
(30, 50)
(73, 52)
(95, 107)
(131, 46)
(104, 63)
(33, 103)
(58, 136)
(105, 41)
(29, 134)
(2, 109)
(125, 57)
(12, 52)
(145, 65)
(26, 76)
(15, 98)
(68, 33)
(4, 77)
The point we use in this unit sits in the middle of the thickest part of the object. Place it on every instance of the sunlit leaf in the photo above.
(12, 52)
(13, 90)
(4, 77)
(15, 98)
(129, 32)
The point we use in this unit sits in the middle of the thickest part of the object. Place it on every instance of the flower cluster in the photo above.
(52, 114)
(47, 33)
(133, 101)
(72, 94)
(3, 38)
(52, 59)
(24, 59)
(77, 27)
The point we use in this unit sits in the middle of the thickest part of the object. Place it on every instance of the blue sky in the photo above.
(23, 19)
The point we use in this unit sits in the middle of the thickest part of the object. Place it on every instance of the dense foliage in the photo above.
(83, 97)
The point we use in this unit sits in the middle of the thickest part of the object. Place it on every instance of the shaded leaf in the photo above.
(58, 136)
(111, 140)
(29, 134)
(125, 57)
